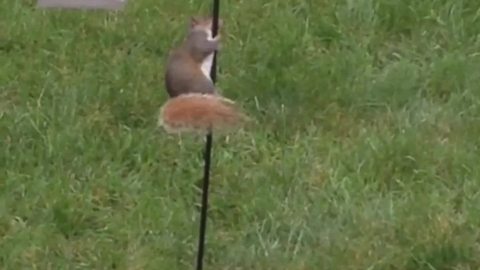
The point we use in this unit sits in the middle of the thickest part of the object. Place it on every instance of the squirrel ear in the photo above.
(193, 21)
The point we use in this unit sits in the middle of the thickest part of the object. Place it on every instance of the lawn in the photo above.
(365, 152)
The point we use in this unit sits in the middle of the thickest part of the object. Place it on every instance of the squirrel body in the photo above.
(188, 66)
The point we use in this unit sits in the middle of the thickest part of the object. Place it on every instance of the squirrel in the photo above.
(195, 104)
(188, 66)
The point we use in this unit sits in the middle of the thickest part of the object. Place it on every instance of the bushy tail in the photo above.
(200, 113)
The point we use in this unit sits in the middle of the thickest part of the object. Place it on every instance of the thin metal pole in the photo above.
(203, 213)
(216, 11)
(208, 155)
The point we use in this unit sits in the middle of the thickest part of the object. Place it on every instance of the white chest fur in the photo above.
(207, 63)
(207, 66)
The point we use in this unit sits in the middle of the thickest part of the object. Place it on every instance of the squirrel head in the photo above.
(203, 23)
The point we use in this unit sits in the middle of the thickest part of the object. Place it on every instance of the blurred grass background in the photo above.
(365, 156)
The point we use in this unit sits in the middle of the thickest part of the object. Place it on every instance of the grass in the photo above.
(365, 155)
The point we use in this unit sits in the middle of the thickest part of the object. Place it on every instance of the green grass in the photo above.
(365, 155)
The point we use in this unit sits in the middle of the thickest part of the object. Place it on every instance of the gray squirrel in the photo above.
(188, 66)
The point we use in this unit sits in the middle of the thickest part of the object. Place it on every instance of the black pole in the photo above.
(216, 11)
(203, 213)
(208, 154)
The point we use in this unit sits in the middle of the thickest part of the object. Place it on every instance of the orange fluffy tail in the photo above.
(200, 113)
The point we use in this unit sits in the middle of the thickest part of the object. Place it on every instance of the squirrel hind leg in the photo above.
(204, 86)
